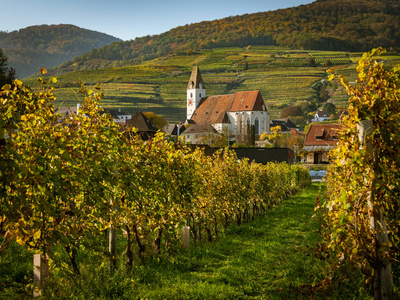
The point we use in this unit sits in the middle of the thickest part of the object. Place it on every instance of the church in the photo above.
(239, 113)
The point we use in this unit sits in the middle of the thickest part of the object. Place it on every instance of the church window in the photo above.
(191, 95)
(200, 95)
(257, 126)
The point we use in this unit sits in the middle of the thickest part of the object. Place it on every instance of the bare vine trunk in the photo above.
(141, 247)
(72, 259)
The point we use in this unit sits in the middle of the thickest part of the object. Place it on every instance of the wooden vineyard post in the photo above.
(383, 278)
(185, 236)
(40, 274)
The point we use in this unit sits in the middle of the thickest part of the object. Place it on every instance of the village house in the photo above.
(237, 114)
(200, 134)
(285, 124)
(320, 116)
(144, 127)
(320, 139)
(119, 117)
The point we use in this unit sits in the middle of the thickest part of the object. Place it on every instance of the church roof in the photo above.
(195, 79)
(247, 101)
(213, 109)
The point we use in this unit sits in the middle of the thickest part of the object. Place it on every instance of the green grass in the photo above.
(268, 258)
(271, 257)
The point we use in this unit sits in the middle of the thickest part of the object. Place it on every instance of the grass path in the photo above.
(265, 259)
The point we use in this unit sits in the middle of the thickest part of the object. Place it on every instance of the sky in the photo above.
(128, 19)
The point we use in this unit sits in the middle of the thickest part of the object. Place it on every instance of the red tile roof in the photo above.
(247, 101)
(322, 134)
(213, 109)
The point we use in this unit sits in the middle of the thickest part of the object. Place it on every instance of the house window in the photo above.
(257, 126)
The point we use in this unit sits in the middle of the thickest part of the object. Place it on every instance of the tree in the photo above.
(7, 75)
(306, 106)
(291, 111)
(363, 210)
(157, 120)
(300, 122)
(330, 108)
(275, 137)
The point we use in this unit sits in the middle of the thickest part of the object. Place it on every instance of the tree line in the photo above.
(322, 25)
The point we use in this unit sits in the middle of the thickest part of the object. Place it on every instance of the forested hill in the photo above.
(48, 45)
(349, 25)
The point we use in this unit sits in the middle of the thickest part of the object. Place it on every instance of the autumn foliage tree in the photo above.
(364, 180)
(291, 111)
(65, 181)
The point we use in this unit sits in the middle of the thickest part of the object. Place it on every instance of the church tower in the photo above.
(195, 91)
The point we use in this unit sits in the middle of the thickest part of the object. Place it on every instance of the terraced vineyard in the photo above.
(283, 77)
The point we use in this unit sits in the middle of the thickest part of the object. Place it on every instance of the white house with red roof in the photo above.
(320, 140)
(320, 116)
(237, 112)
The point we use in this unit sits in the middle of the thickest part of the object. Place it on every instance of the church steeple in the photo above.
(196, 81)
(195, 91)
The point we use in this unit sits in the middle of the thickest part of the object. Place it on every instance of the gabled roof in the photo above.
(140, 121)
(116, 112)
(322, 114)
(172, 129)
(322, 135)
(213, 109)
(195, 79)
(248, 101)
(200, 128)
(285, 124)
(67, 110)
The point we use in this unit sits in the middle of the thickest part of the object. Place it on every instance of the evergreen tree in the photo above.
(7, 75)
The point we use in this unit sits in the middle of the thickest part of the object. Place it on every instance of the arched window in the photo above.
(256, 126)
(200, 95)
(191, 95)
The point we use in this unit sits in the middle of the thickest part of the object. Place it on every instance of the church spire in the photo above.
(195, 91)
(196, 81)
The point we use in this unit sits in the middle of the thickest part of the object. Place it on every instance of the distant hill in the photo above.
(339, 25)
(47, 46)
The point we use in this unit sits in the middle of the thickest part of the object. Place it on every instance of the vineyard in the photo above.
(159, 85)
(65, 182)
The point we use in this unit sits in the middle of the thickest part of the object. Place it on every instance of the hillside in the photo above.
(48, 45)
(283, 76)
(338, 25)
